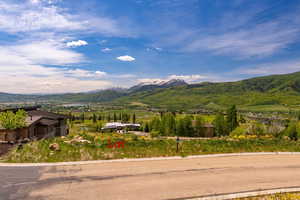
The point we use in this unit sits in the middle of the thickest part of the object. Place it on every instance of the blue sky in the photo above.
(58, 46)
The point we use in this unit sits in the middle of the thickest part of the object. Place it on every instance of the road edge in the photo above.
(143, 159)
(246, 194)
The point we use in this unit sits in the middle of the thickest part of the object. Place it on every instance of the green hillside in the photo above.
(277, 92)
(269, 90)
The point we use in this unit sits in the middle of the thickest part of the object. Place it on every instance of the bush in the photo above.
(257, 129)
(293, 131)
(135, 137)
(275, 130)
(238, 132)
(12, 121)
(154, 134)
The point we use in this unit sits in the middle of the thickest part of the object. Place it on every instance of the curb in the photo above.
(142, 159)
(247, 194)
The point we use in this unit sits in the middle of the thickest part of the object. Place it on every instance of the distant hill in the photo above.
(268, 90)
(142, 87)
(177, 94)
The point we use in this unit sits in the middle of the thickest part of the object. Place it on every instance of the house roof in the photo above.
(48, 122)
(26, 108)
(38, 116)
(119, 125)
(32, 119)
(46, 114)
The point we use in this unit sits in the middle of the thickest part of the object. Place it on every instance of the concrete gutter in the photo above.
(247, 194)
(142, 159)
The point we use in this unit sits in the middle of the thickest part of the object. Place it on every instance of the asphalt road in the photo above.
(165, 179)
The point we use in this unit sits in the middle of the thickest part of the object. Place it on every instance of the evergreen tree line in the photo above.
(110, 117)
(168, 125)
(225, 125)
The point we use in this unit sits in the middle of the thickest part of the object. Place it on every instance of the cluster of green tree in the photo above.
(169, 125)
(123, 117)
(225, 125)
(292, 130)
(12, 121)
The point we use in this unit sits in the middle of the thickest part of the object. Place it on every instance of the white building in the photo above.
(120, 126)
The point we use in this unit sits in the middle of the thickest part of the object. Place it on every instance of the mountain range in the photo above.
(177, 94)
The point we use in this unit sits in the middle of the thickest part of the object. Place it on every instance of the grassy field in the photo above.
(95, 147)
(284, 196)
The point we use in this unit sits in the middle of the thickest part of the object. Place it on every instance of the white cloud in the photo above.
(188, 78)
(35, 1)
(241, 33)
(22, 70)
(44, 15)
(44, 1)
(281, 67)
(103, 42)
(27, 84)
(125, 76)
(126, 58)
(16, 18)
(151, 80)
(99, 73)
(45, 52)
(263, 40)
(106, 50)
(81, 73)
(77, 43)
(27, 79)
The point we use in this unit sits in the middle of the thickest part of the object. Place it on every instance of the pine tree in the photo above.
(115, 117)
(199, 123)
(94, 118)
(232, 121)
(126, 117)
(298, 116)
(220, 125)
(291, 131)
(82, 117)
(180, 131)
(184, 127)
(146, 129)
(108, 117)
(133, 118)
(188, 126)
(155, 124)
(168, 124)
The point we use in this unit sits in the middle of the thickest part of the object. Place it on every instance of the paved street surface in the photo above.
(167, 179)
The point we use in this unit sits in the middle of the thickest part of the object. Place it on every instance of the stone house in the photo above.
(40, 124)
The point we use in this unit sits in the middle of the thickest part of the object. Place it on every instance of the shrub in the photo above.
(154, 134)
(12, 121)
(239, 131)
(135, 137)
(275, 130)
(257, 129)
(293, 131)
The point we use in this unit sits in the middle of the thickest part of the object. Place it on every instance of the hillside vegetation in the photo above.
(275, 90)
(269, 90)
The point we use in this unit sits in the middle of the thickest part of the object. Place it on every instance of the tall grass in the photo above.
(139, 148)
